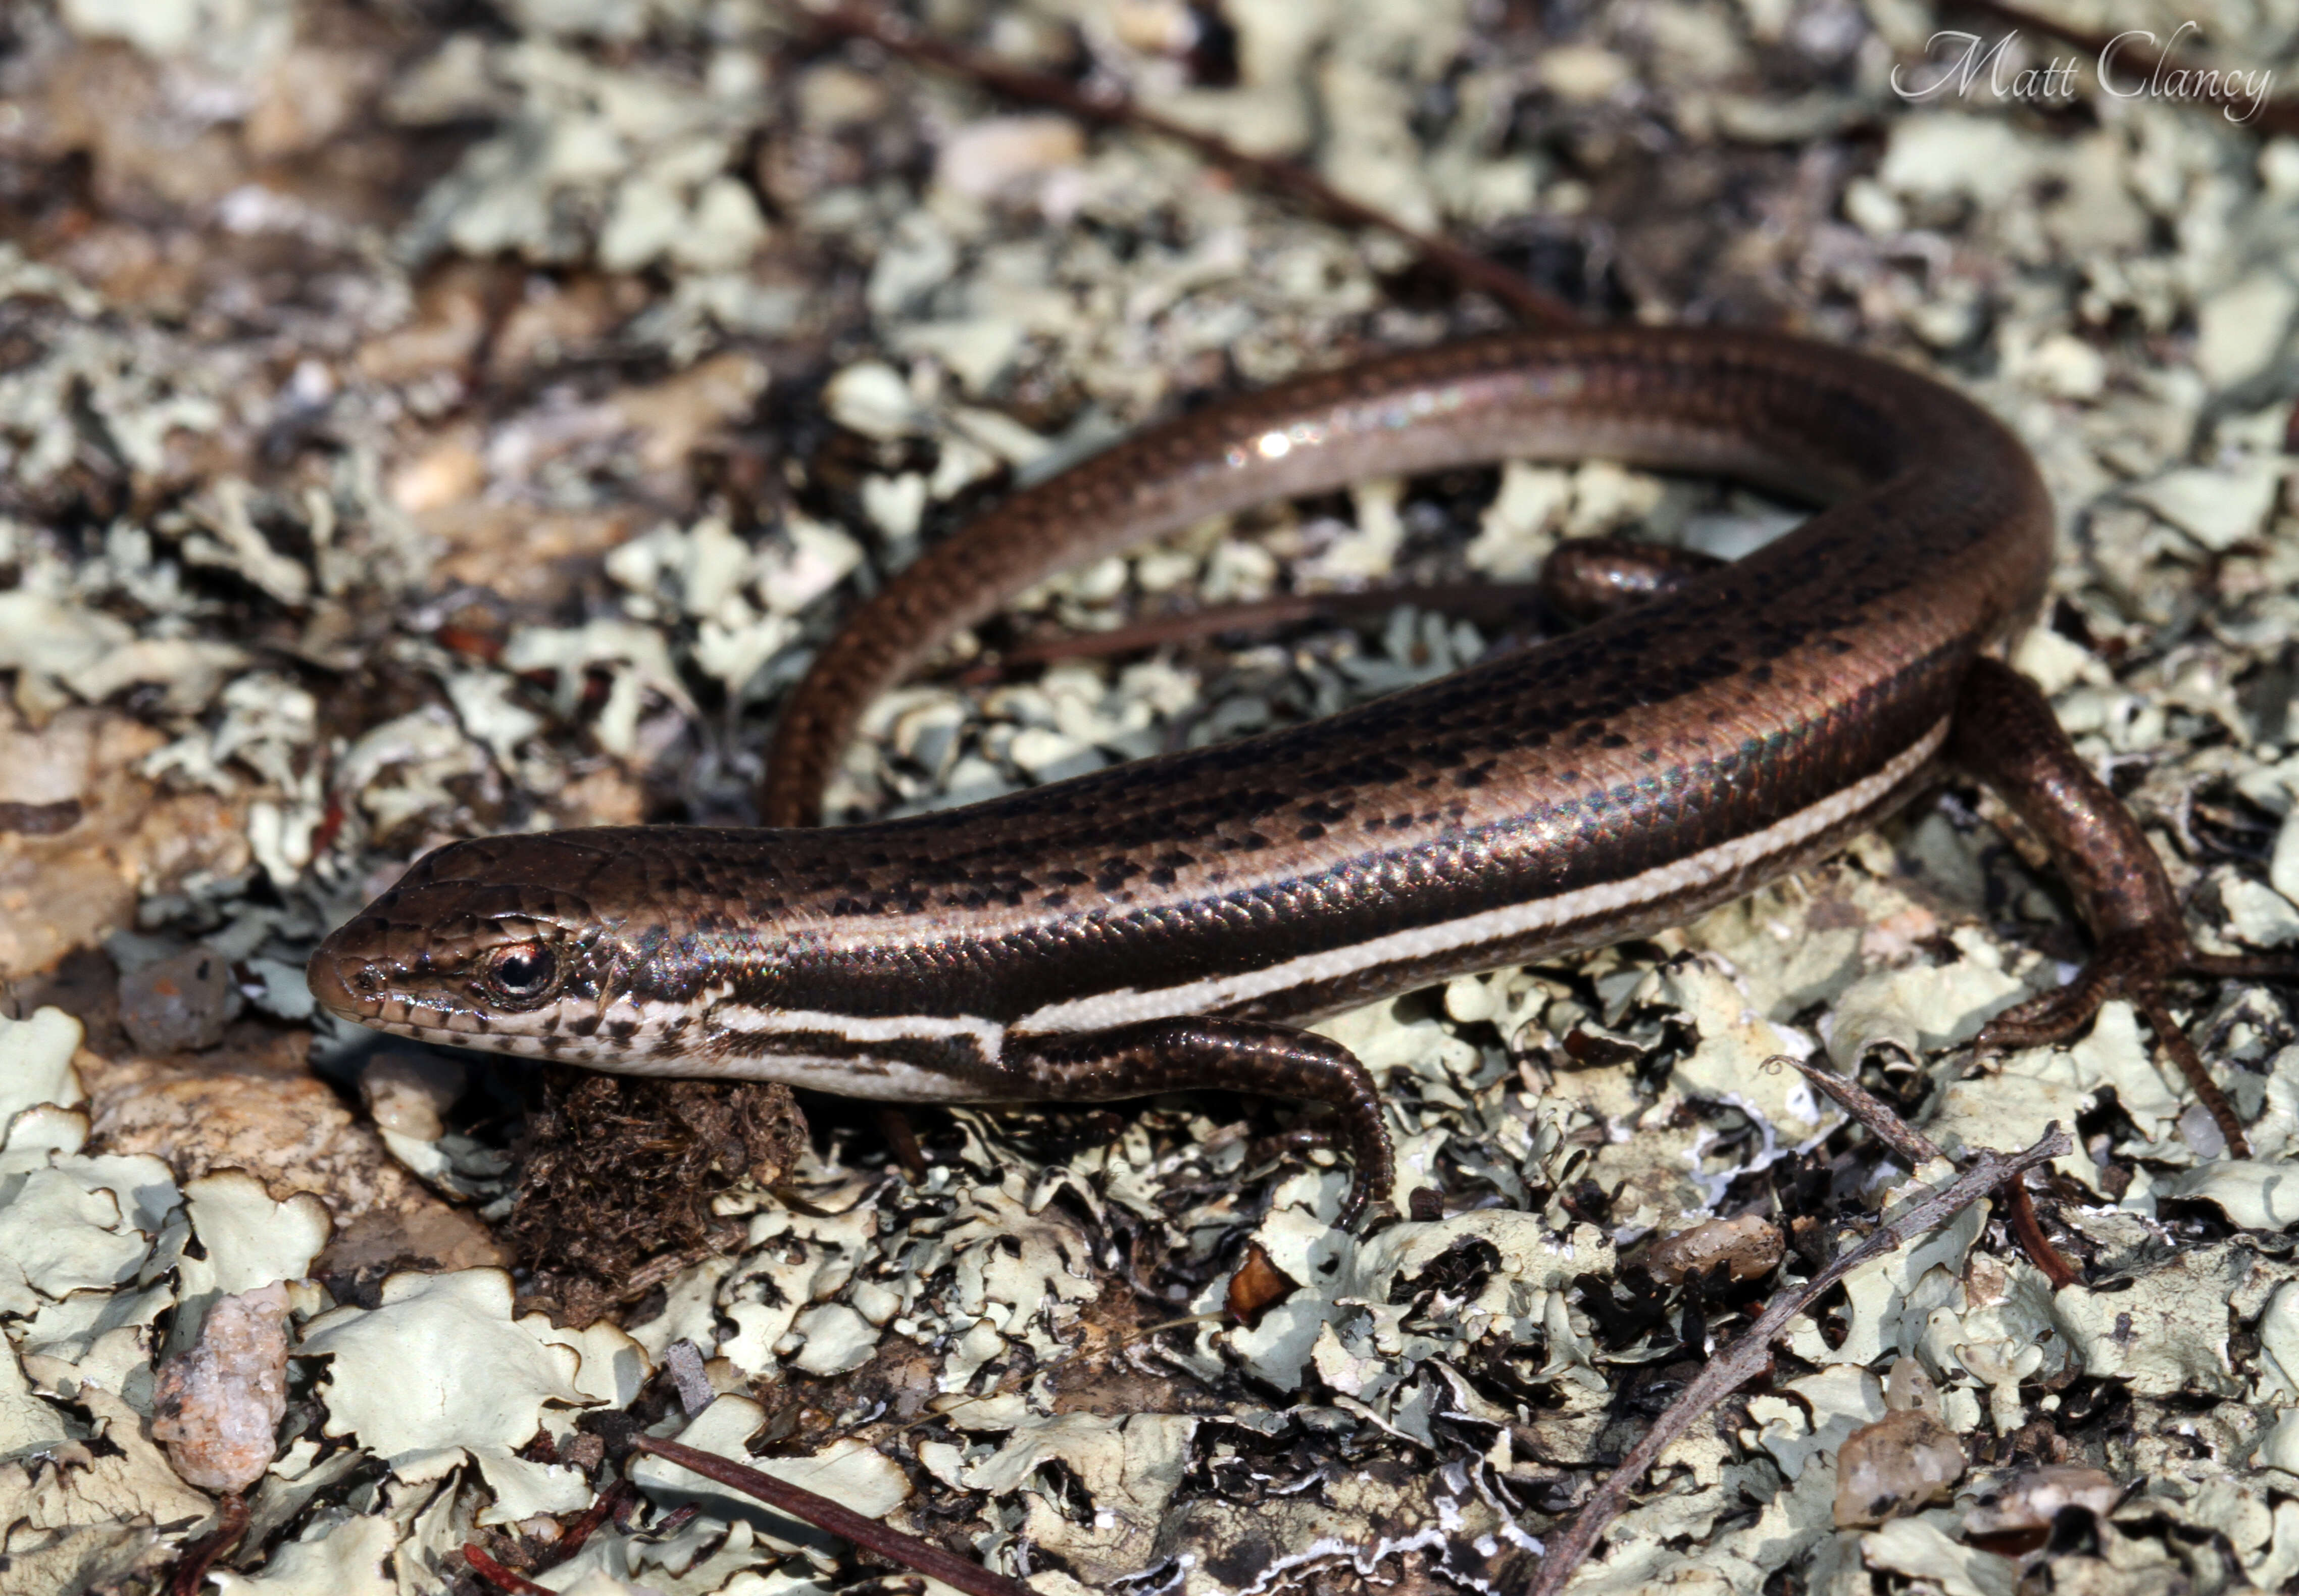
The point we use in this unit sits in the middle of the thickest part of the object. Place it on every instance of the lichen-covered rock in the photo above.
(69, 886)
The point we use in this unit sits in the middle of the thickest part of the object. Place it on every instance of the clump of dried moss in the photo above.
(618, 1174)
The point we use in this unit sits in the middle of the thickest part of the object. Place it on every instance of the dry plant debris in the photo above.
(618, 1174)
(419, 421)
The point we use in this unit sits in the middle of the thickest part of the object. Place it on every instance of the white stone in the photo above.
(2240, 329)
(2217, 508)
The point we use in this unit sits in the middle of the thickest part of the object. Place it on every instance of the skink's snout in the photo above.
(325, 976)
(341, 973)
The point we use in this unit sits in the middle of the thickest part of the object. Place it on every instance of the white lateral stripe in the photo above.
(1107, 1009)
(744, 1018)
(878, 1080)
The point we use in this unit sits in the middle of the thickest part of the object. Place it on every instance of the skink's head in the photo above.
(494, 943)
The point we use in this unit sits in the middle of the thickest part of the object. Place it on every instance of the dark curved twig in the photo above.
(499, 1576)
(192, 1565)
(1109, 109)
(570, 1541)
(2028, 1229)
(921, 1556)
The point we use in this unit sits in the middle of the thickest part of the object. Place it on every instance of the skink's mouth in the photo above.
(447, 956)
(354, 989)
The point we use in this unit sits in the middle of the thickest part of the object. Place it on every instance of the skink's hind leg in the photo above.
(1192, 1054)
(2005, 734)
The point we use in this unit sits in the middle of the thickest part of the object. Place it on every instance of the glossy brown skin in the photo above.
(1065, 942)
(1592, 578)
(1944, 547)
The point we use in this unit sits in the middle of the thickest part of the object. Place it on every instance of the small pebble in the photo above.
(180, 1004)
(1906, 1385)
(411, 1093)
(687, 1374)
(2202, 1133)
(1745, 1248)
(216, 1408)
(2040, 1495)
(995, 156)
(1905, 1460)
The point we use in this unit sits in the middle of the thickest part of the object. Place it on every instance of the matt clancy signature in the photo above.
(1973, 61)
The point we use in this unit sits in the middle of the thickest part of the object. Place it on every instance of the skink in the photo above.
(1166, 924)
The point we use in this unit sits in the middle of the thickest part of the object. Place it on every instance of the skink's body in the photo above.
(1060, 941)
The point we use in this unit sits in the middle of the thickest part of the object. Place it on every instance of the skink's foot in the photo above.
(2004, 733)
(2136, 970)
(1193, 1053)
(2057, 1016)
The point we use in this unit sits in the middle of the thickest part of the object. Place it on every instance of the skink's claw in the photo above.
(2136, 969)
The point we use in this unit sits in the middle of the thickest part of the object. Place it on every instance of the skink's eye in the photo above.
(523, 972)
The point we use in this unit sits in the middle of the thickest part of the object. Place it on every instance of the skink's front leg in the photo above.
(2006, 734)
(1192, 1054)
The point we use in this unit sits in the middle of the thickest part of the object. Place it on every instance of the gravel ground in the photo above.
(435, 417)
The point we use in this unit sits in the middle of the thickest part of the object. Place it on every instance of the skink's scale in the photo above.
(1139, 929)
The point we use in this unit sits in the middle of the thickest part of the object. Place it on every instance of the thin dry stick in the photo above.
(1748, 1357)
(1916, 1150)
(610, 1501)
(921, 1556)
(193, 1563)
(1910, 1145)
(655, 1271)
(1109, 108)
(499, 1576)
